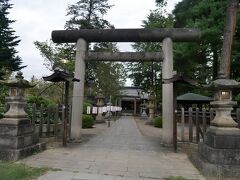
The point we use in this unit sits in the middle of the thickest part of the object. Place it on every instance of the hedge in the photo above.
(87, 121)
(157, 122)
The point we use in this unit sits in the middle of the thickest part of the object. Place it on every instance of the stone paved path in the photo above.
(119, 153)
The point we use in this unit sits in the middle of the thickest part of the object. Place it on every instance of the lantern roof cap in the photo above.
(223, 83)
(59, 76)
(99, 96)
(17, 81)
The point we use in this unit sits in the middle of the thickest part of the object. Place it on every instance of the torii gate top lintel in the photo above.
(126, 35)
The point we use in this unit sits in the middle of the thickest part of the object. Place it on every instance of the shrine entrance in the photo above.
(164, 56)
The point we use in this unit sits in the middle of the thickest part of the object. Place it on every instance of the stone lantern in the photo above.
(144, 108)
(16, 99)
(221, 144)
(17, 137)
(223, 104)
(151, 106)
(100, 103)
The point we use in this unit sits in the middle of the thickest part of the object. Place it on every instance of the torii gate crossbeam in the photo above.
(126, 35)
(124, 56)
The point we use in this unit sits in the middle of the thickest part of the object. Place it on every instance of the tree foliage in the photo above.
(45, 91)
(202, 60)
(56, 56)
(148, 75)
(198, 61)
(87, 14)
(9, 60)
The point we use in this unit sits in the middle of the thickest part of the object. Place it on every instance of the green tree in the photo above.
(52, 92)
(201, 60)
(147, 75)
(56, 56)
(86, 14)
(9, 60)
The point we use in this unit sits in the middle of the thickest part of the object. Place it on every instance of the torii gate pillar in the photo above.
(167, 92)
(78, 90)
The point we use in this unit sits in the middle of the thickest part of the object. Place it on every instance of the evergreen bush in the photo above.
(39, 100)
(237, 98)
(85, 105)
(157, 122)
(87, 121)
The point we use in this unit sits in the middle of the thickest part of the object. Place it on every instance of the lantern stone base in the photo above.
(219, 154)
(211, 170)
(100, 118)
(151, 114)
(15, 154)
(17, 139)
(223, 138)
(144, 115)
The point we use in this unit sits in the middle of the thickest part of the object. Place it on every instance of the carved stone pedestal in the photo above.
(17, 139)
(219, 154)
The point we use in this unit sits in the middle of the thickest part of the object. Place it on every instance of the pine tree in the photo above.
(9, 61)
(88, 14)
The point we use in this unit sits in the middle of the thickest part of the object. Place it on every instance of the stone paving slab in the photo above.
(119, 152)
(64, 175)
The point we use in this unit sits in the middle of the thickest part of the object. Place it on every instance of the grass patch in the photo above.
(175, 178)
(12, 171)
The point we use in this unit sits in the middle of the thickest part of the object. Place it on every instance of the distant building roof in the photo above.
(133, 92)
(194, 97)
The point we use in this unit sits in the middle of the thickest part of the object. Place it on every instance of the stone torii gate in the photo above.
(164, 35)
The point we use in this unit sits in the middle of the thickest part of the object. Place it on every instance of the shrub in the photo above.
(85, 105)
(87, 121)
(237, 98)
(157, 122)
(39, 101)
(1, 115)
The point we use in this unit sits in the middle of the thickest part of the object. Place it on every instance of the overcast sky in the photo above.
(35, 20)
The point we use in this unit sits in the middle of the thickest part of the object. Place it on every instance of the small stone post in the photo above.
(143, 113)
(151, 106)
(78, 91)
(135, 107)
(167, 92)
(100, 103)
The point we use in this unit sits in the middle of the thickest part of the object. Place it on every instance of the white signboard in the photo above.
(89, 110)
(113, 108)
(94, 110)
(104, 109)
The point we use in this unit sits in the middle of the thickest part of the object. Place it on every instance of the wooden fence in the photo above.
(192, 123)
(48, 122)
